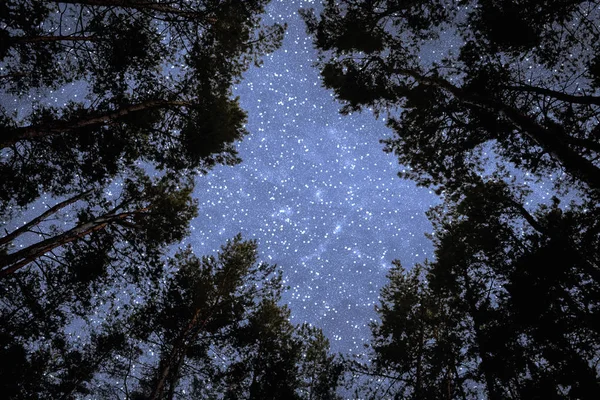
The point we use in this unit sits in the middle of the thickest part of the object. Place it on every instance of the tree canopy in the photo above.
(116, 167)
(156, 81)
(215, 328)
(508, 307)
(518, 78)
(100, 299)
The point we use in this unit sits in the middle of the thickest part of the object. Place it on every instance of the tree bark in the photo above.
(491, 386)
(175, 357)
(568, 98)
(94, 118)
(45, 39)
(19, 231)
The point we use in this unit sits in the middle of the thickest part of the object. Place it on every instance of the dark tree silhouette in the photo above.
(223, 334)
(158, 80)
(506, 308)
(214, 324)
(142, 219)
(509, 304)
(85, 293)
(50, 347)
(526, 86)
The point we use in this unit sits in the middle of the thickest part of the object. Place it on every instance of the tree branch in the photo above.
(569, 98)
(94, 118)
(17, 232)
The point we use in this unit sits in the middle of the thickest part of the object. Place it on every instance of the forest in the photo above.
(101, 299)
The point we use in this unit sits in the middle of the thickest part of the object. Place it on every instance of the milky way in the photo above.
(317, 192)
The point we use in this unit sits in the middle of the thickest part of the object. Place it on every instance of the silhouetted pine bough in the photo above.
(508, 309)
(155, 82)
(520, 77)
(139, 221)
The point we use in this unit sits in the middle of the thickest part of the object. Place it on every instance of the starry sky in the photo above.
(317, 192)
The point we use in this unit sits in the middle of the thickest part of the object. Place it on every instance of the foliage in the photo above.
(156, 82)
(513, 77)
(509, 304)
(214, 329)
(129, 227)
(506, 308)
(220, 333)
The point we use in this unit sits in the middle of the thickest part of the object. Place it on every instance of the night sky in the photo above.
(317, 192)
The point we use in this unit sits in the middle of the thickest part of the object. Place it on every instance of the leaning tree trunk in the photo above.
(170, 367)
(10, 263)
(37, 220)
(93, 118)
(554, 143)
(140, 5)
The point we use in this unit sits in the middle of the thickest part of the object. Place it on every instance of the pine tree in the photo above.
(507, 306)
(525, 88)
(156, 83)
(147, 215)
(219, 332)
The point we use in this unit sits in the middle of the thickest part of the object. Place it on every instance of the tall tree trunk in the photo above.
(94, 118)
(553, 142)
(170, 370)
(174, 378)
(491, 386)
(11, 263)
(167, 371)
(34, 222)
(566, 97)
(175, 357)
(14, 40)
(419, 371)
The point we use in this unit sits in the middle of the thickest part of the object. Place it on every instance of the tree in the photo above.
(219, 333)
(53, 341)
(141, 220)
(508, 290)
(529, 94)
(416, 347)
(320, 371)
(280, 360)
(212, 329)
(159, 89)
(45, 45)
(109, 42)
(83, 269)
(520, 93)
